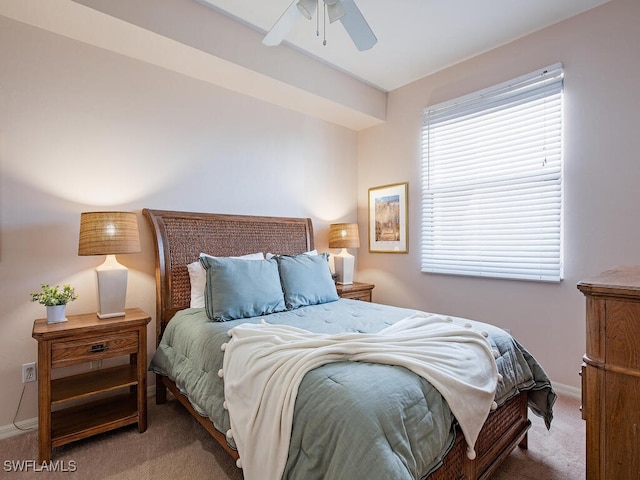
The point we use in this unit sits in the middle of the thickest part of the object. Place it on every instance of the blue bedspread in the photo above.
(351, 419)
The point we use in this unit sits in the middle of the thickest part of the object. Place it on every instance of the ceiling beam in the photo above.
(171, 50)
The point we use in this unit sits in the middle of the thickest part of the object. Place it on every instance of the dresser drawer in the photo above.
(96, 347)
(622, 331)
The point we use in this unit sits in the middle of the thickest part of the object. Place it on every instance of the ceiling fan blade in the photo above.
(357, 27)
(283, 26)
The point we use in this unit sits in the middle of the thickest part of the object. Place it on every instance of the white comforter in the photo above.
(264, 365)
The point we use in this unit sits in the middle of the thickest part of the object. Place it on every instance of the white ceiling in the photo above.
(221, 44)
(415, 37)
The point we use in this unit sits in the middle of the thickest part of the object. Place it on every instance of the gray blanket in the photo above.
(351, 420)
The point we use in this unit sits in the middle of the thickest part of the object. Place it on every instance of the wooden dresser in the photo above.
(611, 374)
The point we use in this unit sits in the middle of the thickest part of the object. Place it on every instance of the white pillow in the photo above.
(198, 278)
(269, 256)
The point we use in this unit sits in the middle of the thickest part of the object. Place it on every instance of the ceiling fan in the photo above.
(344, 10)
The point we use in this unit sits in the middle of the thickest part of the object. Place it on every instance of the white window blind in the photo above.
(492, 181)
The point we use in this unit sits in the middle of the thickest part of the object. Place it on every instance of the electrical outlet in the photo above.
(29, 372)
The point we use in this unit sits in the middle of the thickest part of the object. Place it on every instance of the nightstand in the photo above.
(356, 291)
(74, 407)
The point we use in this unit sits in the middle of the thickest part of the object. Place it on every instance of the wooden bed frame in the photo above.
(180, 237)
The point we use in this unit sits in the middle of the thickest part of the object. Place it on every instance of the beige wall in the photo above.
(82, 128)
(600, 51)
(85, 129)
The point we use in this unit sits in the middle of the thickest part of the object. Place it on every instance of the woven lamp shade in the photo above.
(344, 235)
(108, 233)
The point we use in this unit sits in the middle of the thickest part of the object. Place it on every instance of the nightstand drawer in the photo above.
(97, 347)
(364, 296)
(356, 291)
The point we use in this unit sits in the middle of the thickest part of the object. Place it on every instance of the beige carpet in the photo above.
(556, 454)
(176, 447)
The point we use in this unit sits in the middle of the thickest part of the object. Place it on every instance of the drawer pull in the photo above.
(101, 347)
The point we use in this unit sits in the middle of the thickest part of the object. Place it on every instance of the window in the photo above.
(492, 181)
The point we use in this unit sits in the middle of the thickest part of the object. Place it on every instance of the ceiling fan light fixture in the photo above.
(335, 10)
(307, 8)
(346, 11)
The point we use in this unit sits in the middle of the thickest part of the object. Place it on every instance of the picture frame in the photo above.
(388, 219)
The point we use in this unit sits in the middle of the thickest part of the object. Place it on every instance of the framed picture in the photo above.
(388, 230)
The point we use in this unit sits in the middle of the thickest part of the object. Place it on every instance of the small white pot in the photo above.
(56, 313)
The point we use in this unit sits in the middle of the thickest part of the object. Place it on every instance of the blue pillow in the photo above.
(239, 288)
(306, 280)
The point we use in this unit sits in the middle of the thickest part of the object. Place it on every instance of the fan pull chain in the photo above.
(324, 24)
(318, 20)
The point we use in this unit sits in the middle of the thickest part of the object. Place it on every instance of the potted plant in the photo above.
(55, 299)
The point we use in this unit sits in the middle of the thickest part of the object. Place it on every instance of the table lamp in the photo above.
(109, 233)
(344, 235)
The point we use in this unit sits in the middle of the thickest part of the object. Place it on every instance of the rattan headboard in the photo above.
(180, 237)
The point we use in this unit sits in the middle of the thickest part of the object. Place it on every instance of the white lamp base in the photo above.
(112, 288)
(344, 263)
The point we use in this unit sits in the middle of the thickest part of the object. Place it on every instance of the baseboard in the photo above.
(567, 390)
(24, 426)
(31, 424)
(151, 391)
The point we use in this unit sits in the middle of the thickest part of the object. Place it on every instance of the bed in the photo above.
(320, 445)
